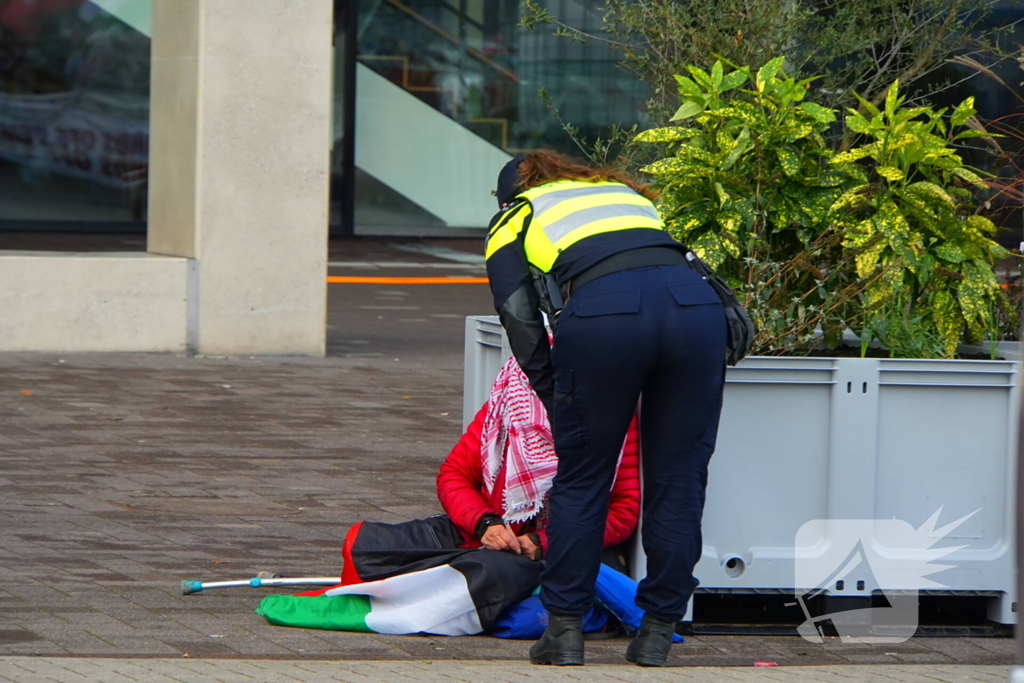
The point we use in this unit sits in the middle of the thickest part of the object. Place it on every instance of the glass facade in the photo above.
(430, 98)
(74, 115)
(469, 78)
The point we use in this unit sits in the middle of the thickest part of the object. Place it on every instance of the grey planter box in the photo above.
(846, 438)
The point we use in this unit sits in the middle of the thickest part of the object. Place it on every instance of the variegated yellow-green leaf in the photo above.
(717, 72)
(666, 166)
(948, 321)
(858, 124)
(868, 107)
(966, 134)
(981, 224)
(996, 251)
(688, 87)
(967, 174)
(850, 199)
(944, 161)
(853, 155)
(890, 172)
(745, 208)
(694, 217)
(963, 112)
(926, 189)
(821, 114)
(685, 223)
(859, 235)
(767, 72)
(670, 134)
(905, 115)
(736, 113)
(734, 80)
(799, 131)
(702, 77)
(710, 248)
(867, 260)
(892, 98)
(950, 253)
(697, 154)
(885, 288)
(782, 214)
(975, 294)
(725, 140)
(789, 161)
(902, 141)
(853, 172)
(921, 211)
(731, 222)
(891, 221)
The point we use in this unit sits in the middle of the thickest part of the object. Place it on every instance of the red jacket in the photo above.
(460, 489)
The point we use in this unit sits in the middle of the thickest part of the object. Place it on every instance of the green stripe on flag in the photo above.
(329, 612)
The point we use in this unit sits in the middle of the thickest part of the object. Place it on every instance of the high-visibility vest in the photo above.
(567, 211)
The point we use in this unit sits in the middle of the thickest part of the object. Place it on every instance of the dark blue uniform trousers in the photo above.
(658, 333)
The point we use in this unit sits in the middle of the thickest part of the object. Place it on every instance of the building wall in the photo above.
(238, 165)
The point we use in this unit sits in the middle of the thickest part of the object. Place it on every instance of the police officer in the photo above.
(634, 320)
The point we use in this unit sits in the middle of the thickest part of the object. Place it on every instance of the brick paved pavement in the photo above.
(65, 670)
(122, 475)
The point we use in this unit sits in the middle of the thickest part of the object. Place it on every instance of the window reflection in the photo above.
(74, 115)
(471, 62)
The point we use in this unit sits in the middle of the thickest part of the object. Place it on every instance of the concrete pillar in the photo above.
(239, 166)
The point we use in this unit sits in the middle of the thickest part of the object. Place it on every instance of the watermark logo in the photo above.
(865, 576)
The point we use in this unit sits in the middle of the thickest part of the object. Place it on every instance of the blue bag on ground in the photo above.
(527, 620)
(616, 592)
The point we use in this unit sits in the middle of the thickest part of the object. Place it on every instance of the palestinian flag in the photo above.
(463, 596)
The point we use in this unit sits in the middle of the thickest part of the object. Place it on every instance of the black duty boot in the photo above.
(561, 644)
(652, 642)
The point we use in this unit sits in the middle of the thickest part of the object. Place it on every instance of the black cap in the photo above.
(508, 180)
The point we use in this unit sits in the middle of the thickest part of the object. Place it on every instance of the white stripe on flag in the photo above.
(435, 600)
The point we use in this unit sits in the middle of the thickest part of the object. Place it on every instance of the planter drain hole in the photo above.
(735, 566)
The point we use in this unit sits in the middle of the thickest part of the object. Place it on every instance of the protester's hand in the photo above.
(530, 549)
(500, 537)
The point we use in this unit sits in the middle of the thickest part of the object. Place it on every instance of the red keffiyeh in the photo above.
(517, 434)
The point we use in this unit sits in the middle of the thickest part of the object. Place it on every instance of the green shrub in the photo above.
(880, 239)
(913, 218)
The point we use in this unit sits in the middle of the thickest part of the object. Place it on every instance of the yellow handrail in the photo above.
(405, 72)
(440, 31)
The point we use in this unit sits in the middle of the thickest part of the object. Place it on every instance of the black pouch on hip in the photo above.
(548, 293)
(741, 328)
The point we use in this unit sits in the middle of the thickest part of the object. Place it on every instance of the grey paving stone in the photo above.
(119, 473)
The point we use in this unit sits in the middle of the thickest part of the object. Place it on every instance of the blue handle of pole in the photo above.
(189, 587)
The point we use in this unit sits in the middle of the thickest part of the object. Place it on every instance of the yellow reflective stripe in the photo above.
(543, 254)
(506, 230)
(539, 250)
(606, 225)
